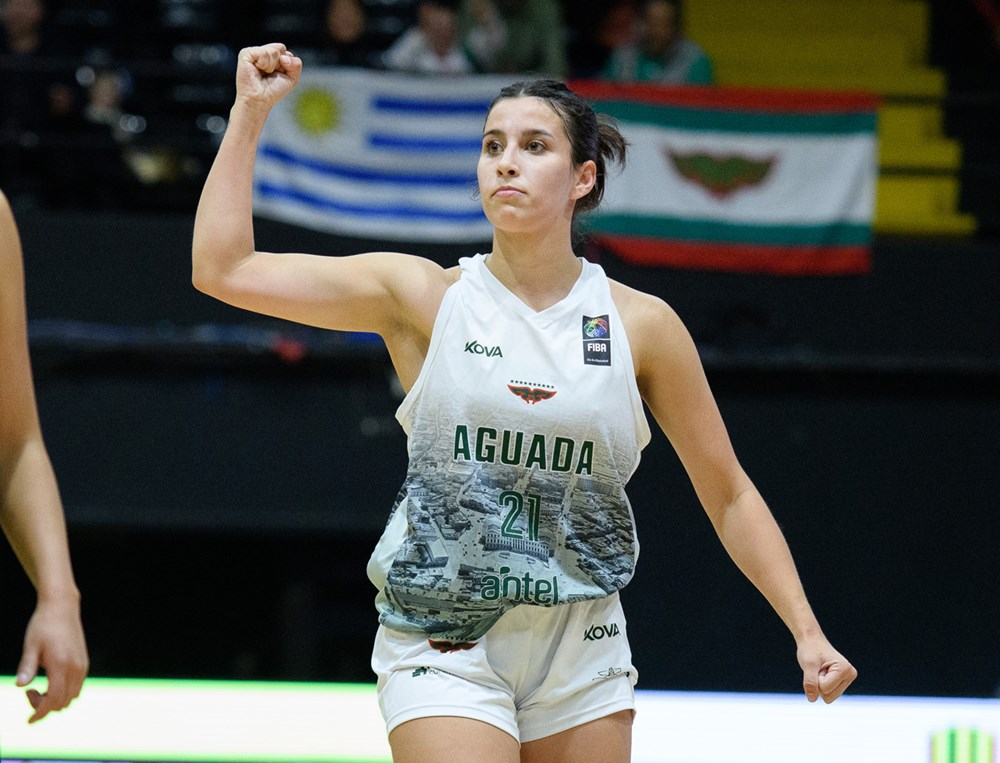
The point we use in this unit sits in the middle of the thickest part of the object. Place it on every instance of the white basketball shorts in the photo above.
(537, 672)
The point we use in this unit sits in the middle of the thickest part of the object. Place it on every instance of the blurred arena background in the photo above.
(226, 476)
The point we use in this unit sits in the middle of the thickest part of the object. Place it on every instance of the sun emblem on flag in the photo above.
(317, 111)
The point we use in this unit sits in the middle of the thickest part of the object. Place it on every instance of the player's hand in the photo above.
(267, 73)
(826, 672)
(54, 641)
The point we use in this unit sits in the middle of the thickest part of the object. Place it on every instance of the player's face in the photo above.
(526, 175)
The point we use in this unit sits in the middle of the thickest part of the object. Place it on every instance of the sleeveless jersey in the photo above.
(523, 428)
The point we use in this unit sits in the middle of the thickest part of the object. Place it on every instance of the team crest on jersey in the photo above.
(532, 392)
(596, 340)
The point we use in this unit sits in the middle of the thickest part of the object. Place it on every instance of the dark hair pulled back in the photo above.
(592, 136)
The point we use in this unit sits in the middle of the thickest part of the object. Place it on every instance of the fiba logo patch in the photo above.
(595, 328)
(596, 340)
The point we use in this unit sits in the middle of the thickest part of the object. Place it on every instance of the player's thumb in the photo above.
(810, 684)
(27, 669)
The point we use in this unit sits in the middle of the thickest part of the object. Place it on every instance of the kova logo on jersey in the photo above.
(596, 340)
(478, 348)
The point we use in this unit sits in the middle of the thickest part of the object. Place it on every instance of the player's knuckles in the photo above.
(274, 51)
(264, 59)
(55, 698)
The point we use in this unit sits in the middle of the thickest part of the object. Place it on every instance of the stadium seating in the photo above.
(852, 45)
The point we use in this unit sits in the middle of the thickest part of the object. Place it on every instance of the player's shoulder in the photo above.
(642, 309)
(417, 284)
(410, 270)
(657, 335)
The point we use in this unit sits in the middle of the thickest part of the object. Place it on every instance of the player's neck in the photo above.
(538, 273)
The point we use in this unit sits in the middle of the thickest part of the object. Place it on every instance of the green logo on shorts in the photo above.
(423, 671)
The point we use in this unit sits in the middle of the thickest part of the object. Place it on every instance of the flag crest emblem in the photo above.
(721, 176)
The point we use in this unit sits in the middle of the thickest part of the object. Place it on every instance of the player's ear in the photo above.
(586, 176)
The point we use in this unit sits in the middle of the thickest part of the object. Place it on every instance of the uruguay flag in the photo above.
(377, 155)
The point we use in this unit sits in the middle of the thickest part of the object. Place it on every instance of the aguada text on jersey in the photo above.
(523, 428)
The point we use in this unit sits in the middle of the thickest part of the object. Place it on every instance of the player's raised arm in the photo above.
(369, 292)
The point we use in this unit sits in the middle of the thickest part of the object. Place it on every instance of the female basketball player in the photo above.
(31, 511)
(525, 372)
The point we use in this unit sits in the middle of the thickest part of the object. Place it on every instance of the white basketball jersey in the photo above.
(523, 428)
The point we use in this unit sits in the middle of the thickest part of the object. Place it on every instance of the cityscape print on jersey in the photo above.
(519, 454)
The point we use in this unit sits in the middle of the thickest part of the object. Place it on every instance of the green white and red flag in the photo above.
(743, 180)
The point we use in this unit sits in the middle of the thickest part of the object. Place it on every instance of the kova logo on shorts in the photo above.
(598, 632)
(596, 340)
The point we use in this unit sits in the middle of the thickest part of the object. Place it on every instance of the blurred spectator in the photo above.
(86, 164)
(594, 31)
(22, 26)
(616, 24)
(38, 95)
(35, 85)
(990, 11)
(346, 39)
(515, 36)
(660, 52)
(432, 46)
(104, 103)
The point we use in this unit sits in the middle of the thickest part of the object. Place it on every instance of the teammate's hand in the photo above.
(54, 641)
(826, 672)
(267, 73)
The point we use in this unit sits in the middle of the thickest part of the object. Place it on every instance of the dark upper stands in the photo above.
(934, 63)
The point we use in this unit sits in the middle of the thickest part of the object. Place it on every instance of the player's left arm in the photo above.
(673, 384)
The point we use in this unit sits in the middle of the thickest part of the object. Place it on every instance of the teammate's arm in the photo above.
(31, 513)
